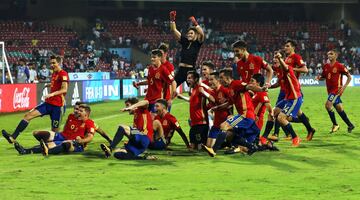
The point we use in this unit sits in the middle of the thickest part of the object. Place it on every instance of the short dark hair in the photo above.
(216, 74)
(132, 101)
(335, 51)
(164, 47)
(227, 72)
(163, 102)
(195, 75)
(156, 52)
(259, 78)
(79, 103)
(86, 107)
(239, 44)
(57, 58)
(209, 64)
(292, 42)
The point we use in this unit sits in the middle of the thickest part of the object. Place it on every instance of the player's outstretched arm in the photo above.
(269, 75)
(173, 28)
(88, 138)
(283, 65)
(104, 134)
(198, 28)
(142, 103)
(206, 94)
(303, 69)
(180, 96)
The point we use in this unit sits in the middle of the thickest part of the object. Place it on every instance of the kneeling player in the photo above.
(140, 135)
(78, 131)
(168, 125)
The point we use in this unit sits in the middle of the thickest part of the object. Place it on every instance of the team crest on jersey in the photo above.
(288, 60)
(251, 66)
(220, 95)
(231, 92)
(157, 75)
(334, 70)
(165, 122)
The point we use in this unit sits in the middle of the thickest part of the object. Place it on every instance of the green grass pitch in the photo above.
(326, 168)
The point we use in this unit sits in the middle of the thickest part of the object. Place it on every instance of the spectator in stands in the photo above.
(22, 72)
(44, 74)
(138, 66)
(32, 73)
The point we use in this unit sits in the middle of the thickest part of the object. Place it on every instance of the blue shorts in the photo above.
(292, 107)
(280, 103)
(55, 113)
(59, 139)
(137, 143)
(169, 108)
(159, 144)
(240, 122)
(151, 108)
(335, 99)
(214, 132)
(249, 134)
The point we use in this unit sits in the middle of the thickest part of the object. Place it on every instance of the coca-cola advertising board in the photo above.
(17, 97)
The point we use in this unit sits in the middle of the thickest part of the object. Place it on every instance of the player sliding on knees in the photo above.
(169, 124)
(78, 131)
(332, 74)
(140, 135)
(53, 102)
(242, 125)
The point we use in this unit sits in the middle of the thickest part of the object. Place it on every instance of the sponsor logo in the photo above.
(75, 97)
(21, 98)
(308, 82)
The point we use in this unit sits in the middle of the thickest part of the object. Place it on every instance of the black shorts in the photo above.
(181, 74)
(198, 134)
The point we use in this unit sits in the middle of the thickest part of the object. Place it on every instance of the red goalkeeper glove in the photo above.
(193, 20)
(173, 16)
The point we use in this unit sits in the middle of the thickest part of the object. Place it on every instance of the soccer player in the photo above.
(249, 64)
(54, 101)
(164, 48)
(190, 47)
(168, 124)
(298, 67)
(293, 98)
(157, 77)
(78, 131)
(198, 116)
(333, 73)
(140, 135)
(243, 124)
(221, 96)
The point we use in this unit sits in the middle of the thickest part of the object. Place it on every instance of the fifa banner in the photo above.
(305, 81)
(73, 94)
(17, 97)
(84, 76)
(355, 81)
(96, 91)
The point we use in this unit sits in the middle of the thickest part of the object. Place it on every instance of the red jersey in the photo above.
(57, 79)
(279, 74)
(169, 124)
(333, 75)
(296, 61)
(143, 122)
(291, 83)
(253, 65)
(75, 127)
(167, 87)
(241, 99)
(197, 111)
(259, 100)
(221, 96)
(157, 77)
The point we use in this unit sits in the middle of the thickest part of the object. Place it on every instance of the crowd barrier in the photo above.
(21, 97)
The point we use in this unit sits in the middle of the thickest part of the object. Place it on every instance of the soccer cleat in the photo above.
(334, 128)
(106, 150)
(310, 135)
(8, 137)
(296, 141)
(263, 140)
(273, 138)
(209, 150)
(350, 128)
(251, 150)
(44, 148)
(20, 149)
(238, 149)
(150, 157)
(287, 137)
